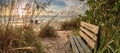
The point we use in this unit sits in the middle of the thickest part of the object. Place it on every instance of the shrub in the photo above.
(27, 37)
(66, 26)
(70, 25)
(48, 31)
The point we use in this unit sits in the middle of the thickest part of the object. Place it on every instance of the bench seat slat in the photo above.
(74, 47)
(84, 46)
(78, 45)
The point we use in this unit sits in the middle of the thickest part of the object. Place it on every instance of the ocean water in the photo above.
(39, 18)
(42, 20)
(57, 18)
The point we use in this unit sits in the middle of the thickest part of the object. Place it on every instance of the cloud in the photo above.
(74, 2)
(68, 4)
(74, 7)
(77, 6)
(59, 3)
(64, 4)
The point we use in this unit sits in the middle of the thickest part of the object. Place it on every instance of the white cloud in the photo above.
(72, 2)
(77, 6)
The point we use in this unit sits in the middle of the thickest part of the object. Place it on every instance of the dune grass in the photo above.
(19, 40)
(74, 23)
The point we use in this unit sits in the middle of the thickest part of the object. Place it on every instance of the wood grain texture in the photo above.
(91, 27)
(78, 45)
(93, 36)
(88, 40)
(74, 47)
(84, 46)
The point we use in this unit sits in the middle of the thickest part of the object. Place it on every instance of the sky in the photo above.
(66, 4)
(75, 6)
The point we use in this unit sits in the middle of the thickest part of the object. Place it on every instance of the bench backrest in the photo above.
(89, 33)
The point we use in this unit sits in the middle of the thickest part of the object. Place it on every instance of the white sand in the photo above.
(59, 44)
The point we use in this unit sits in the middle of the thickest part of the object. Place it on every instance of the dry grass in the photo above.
(8, 39)
(19, 40)
(48, 31)
(70, 25)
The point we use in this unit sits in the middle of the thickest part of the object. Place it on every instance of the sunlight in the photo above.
(21, 12)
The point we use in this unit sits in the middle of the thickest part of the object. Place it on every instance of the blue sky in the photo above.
(58, 5)
(64, 4)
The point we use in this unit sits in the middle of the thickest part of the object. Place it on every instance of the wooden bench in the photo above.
(88, 39)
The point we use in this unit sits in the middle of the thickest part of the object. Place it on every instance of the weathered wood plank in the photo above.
(84, 46)
(88, 40)
(91, 27)
(78, 45)
(93, 36)
(74, 47)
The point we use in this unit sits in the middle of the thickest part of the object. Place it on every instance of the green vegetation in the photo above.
(105, 13)
(48, 31)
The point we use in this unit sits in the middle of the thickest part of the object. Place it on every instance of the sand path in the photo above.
(59, 44)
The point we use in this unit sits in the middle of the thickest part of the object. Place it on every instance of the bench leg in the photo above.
(70, 45)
